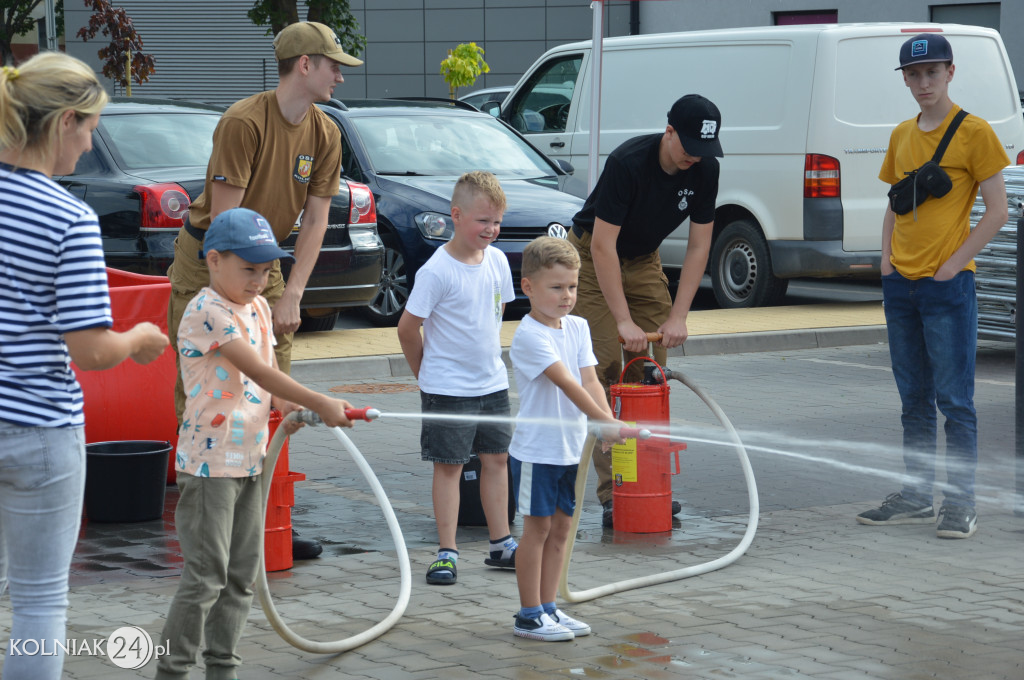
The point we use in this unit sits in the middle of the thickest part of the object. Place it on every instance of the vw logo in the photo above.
(557, 230)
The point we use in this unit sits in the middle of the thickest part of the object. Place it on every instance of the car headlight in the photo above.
(435, 226)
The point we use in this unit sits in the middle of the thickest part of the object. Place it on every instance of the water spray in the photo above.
(282, 629)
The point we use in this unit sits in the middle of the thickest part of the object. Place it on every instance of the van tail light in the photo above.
(363, 209)
(821, 176)
(1020, 158)
(163, 206)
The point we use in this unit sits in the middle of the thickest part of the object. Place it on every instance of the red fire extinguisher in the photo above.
(641, 468)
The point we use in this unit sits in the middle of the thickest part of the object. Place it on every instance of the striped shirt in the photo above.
(52, 281)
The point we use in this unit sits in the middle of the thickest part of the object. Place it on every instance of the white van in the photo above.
(806, 117)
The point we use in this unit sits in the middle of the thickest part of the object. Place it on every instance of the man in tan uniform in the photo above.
(279, 155)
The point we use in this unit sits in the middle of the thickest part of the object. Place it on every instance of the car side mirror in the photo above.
(493, 108)
(565, 165)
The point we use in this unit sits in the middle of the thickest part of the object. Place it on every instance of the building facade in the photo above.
(211, 52)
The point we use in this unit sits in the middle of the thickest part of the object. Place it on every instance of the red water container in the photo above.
(641, 468)
(277, 529)
(129, 401)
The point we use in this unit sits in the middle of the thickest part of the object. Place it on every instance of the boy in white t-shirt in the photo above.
(458, 299)
(553, 362)
(226, 343)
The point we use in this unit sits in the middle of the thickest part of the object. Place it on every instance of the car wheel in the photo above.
(741, 268)
(316, 320)
(387, 306)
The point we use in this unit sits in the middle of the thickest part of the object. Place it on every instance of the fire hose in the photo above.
(676, 574)
(282, 629)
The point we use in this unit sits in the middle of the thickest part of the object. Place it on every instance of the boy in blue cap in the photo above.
(931, 308)
(226, 342)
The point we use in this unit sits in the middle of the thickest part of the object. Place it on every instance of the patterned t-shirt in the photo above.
(224, 428)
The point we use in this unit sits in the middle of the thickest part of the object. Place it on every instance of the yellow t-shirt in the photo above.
(920, 246)
(277, 163)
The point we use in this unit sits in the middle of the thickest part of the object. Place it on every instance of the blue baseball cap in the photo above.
(245, 233)
(925, 48)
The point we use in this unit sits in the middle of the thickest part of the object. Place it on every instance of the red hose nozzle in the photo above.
(634, 433)
(366, 413)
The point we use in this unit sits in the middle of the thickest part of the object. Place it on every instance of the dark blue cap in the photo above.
(245, 233)
(923, 49)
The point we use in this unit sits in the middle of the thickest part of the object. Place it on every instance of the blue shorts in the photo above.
(451, 441)
(541, 488)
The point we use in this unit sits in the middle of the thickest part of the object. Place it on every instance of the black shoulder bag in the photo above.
(927, 180)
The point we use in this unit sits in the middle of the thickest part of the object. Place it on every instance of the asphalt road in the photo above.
(822, 428)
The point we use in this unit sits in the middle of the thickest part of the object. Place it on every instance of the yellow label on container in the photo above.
(624, 461)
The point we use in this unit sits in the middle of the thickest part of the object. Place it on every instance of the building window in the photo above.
(821, 16)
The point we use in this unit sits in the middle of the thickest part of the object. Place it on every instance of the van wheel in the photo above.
(387, 306)
(741, 268)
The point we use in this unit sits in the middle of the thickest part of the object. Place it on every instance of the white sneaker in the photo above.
(541, 628)
(578, 628)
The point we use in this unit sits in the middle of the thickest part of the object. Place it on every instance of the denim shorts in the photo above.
(542, 488)
(452, 441)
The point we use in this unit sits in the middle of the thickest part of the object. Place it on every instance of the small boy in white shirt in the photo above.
(458, 299)
(553, 362)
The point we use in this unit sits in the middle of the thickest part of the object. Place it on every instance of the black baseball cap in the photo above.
(923, 49)
(697, 122)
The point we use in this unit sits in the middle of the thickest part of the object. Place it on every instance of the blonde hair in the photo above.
(478, 183)
(545, 252)
(35, 95)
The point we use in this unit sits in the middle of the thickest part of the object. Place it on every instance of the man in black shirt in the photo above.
(648, 187)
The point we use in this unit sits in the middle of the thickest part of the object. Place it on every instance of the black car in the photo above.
(148, 163)
(411, 152)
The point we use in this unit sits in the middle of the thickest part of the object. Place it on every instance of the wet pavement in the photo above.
(815, 596)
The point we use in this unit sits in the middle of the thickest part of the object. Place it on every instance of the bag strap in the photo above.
(950, 131)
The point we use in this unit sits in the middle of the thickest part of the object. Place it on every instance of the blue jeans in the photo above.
(933, 338)
(42, 481)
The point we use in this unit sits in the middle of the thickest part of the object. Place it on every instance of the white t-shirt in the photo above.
(535, 347)
(461, 307)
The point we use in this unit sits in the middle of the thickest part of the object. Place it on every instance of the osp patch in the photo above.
(303, 169)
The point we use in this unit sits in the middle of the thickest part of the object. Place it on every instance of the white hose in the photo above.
(263, 589)
(675, 575)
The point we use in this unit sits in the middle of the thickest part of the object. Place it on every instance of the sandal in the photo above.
(509, 563)
(442, 573)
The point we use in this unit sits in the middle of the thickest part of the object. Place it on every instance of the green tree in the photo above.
(125, 43)
(16, 19)
(462, 66)
(334, 13)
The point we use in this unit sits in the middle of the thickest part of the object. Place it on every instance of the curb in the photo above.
(395, 366)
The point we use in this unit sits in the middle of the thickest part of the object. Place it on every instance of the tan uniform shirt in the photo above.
(277, 163)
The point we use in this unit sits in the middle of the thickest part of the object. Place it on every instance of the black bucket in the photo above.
(125, 481)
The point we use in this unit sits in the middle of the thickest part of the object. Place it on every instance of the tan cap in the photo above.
(310, 37)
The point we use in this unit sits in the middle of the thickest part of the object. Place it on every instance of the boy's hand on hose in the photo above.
(610, 432)
(333, 413)
(290, 427)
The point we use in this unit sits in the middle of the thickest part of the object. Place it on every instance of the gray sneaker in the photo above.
(956, 521)
(898, 510)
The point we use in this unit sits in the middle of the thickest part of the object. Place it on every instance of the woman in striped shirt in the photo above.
(56, 308)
